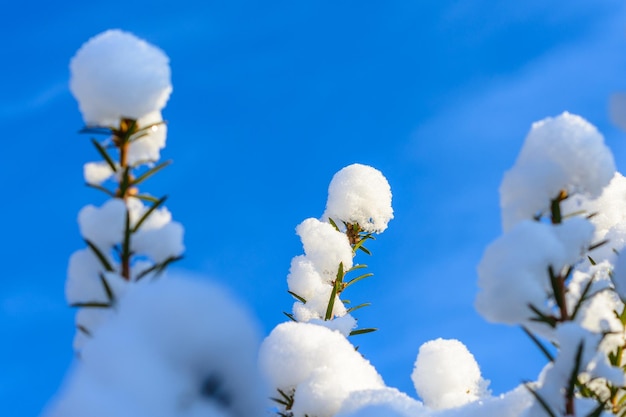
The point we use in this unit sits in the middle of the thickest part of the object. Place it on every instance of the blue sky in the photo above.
(270, 100)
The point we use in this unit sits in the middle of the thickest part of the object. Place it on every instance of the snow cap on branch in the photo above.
(446, 375)
(320, 364)
(608, 214)
(325, 247)
(565, 153)
(360, 194)
(116, 75)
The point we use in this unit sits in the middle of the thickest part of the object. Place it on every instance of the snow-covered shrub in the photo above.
(147, 345)
(543, 272)
(151, 346)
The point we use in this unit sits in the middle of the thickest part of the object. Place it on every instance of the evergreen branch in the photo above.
(103, 260)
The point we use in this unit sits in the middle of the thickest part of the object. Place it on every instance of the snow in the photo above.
(116, 75)
(360, 194)
(83, 282)
(178, 347)
(103, 226)
(325, 247)
(303, 278)
(160, 244)
(562, 153)
(320, 364)
(446, 375)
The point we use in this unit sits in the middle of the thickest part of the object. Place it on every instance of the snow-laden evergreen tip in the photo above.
(116, 75)
(360, 194)
(446, 375)
(565, 153)
(318, 366)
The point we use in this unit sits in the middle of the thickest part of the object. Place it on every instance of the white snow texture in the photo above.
(360, 194)
(116, 75)
(446, 375)
(178, 347)
(562, 153)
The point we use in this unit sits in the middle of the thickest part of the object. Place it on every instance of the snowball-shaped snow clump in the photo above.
(116, 75)
(320, 364)
(174, 348)
(360, 194)
(446, 375)
(565, 153)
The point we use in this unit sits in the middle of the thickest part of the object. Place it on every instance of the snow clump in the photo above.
(178, 347)
(446, 375)
(513, 273)
(116, 75)
(565, 153)
(360, 194)
(311, 275)
(608, 214)
(319, 364)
